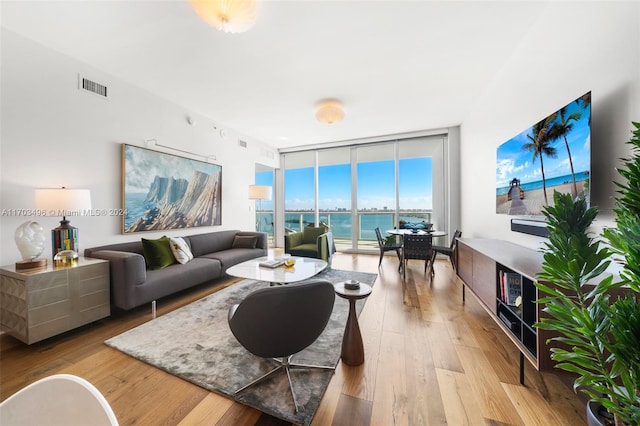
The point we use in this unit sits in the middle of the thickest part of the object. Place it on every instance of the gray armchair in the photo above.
(278, 322)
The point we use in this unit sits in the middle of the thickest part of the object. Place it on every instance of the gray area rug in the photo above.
(196, 344)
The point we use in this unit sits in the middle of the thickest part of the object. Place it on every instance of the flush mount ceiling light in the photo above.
(230, 16)
(329, 111)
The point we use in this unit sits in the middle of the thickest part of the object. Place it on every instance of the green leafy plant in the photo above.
(598, 334)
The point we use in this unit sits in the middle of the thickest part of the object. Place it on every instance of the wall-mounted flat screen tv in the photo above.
(553, 154)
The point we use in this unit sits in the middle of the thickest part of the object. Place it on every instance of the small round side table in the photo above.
(352, 347)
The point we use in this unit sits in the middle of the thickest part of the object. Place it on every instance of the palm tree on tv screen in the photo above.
(540, 146)
(585, 101)
(561, 129)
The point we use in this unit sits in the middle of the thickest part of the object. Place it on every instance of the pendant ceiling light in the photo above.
(329, 111)
(230, 16)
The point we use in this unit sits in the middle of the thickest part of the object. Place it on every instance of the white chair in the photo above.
(61, 399)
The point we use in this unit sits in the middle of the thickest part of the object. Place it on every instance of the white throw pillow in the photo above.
(180, 249)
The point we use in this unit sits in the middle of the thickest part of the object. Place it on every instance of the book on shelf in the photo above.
(502, 285)
(513, 287)
(272, 263)
(511, 325)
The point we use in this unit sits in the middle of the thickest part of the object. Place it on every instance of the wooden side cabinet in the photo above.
(481, 264)
(40, 303)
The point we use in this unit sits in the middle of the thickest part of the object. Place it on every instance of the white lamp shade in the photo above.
(63, 202)
(260, 192)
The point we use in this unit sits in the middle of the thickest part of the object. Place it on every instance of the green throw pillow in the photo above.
(157, 253)
(311, 234)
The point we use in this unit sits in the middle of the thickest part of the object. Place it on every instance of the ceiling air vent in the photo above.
(242, 143)
(92, 86)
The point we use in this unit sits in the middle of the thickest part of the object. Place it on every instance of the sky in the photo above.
(376, 186)
(514, 162)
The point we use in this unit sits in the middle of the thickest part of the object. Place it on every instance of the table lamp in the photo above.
(259, 192)
(63, 202)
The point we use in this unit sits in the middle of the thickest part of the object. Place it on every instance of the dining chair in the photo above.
(388, 246)
(448, 251)
(418, 247)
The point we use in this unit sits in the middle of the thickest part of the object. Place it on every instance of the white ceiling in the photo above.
(398, 66)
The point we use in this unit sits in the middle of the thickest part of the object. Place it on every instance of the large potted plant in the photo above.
(595, 317)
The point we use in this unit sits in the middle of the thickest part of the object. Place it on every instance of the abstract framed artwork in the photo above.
(163, 191)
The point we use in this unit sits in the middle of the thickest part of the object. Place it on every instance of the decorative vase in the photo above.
(30, 240)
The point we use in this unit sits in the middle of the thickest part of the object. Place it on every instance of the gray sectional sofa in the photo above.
(134, 284)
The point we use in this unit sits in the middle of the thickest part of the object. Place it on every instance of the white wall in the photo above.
(55, 135)
(575, 47)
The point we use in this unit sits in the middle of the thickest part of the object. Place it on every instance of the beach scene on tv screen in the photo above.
(554, 154)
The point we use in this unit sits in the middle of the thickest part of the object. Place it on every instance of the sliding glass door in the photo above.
(415, 182)
(376, 193)
(355, 189)
(334, 191)
(299, 191)
(264, 208)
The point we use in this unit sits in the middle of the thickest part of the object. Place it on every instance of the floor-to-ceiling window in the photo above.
(265, 208)
(334, 191)
(358, 188)
(299, 190)
(376, 193)
(415, 181)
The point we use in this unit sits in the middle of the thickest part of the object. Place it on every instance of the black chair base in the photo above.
(286, 365)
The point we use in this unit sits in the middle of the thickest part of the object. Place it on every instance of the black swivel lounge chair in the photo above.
(278, 322)
(448, 251)
(385, 246)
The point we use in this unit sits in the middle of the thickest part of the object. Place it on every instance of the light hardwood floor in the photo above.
(429, 359)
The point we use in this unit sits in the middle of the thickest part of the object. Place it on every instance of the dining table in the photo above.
(401, 232)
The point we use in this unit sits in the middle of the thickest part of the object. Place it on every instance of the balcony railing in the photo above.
(341, 221)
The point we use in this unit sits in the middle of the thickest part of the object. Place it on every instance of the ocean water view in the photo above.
(559, 180)
(341, 223)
